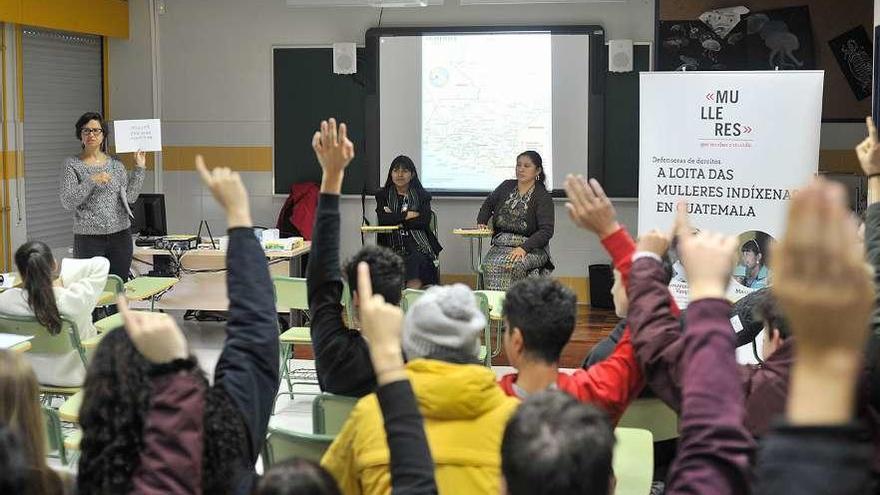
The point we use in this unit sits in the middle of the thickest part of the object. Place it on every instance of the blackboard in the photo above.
(306, 92)
(620, 176)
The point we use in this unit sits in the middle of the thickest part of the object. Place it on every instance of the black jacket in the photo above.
(248, 366)
(342, 358)
(421, 222)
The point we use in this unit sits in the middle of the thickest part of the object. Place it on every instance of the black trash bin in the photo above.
(601, 280)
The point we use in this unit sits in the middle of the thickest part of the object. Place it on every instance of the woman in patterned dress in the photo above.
(522, 215)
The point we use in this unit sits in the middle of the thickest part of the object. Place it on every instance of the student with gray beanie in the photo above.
(465, 411)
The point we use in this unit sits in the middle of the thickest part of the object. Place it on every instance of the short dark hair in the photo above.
(538, 161)
(555, 445)
(297, 477)
(767, 309)
(88, 117)
(386, 271)
(544, 311)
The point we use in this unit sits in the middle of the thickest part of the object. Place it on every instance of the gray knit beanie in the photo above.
(444, 324)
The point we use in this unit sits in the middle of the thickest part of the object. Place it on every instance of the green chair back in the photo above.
(291, 293)
(633, 461)
(54, 436)
(330, 412)
(282, 444)
(653, 415)
(347, 303)
(114, 284)
(409, 297)
(43, 342)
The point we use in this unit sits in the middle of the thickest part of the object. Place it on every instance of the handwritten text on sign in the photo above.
(134, 135)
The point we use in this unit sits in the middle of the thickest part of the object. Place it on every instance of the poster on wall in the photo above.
(735, 146)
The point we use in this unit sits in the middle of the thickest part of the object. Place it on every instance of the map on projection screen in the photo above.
(485, 99)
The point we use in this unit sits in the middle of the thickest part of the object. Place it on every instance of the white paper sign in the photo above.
(735, 146)
(134, 135)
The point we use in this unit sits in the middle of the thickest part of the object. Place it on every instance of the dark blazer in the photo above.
(421, 222)
(541, 221)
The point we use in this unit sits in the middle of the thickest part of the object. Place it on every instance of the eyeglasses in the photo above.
(86, 131)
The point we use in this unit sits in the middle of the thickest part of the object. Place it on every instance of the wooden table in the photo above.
(202, 284)
(475, 236)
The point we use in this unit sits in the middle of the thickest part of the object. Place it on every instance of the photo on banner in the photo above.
(725, 143)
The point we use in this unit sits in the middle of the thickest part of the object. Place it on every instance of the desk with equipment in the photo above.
(200, 267)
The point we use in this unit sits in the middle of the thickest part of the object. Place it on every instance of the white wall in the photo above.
(216, 90)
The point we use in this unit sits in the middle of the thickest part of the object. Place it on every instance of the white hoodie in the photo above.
(82, 281)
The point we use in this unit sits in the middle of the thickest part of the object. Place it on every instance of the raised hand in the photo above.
(655, 242)
(334, 151)
(155, 335)
(140, 159)
(589, 207)
(229, 191)
(819, 272)
(708, 258)
(868, 150)
(381, 325)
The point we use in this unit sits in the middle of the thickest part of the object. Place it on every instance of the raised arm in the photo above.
(248, 365)
(341, 355)
(826, 293)
(171, 457)
(412, 468)
(136, 178)
(714, 447)
(74, 190)
(84, 280)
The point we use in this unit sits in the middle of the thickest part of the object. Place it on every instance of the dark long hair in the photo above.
(406, 163)
(117, 393)
(36, 264)
(88, 117)
(297, 477)
(538, 161)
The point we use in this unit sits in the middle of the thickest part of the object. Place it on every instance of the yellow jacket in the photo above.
(465, 414)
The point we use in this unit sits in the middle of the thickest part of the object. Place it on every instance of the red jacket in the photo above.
(299, 208)
(613, 383)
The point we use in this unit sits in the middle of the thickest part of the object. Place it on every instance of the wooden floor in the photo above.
(592, 326)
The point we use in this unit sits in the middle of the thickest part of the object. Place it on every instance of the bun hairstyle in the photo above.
(36, 264)
(538, 161)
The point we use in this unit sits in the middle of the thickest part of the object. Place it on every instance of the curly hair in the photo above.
(386, 271)
(544, 311)
(116, 399)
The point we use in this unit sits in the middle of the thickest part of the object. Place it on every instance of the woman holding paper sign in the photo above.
(404, 202)
(98, 188)
(522, 213)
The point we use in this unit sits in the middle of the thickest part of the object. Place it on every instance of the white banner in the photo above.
(137, 135)
(735, 146)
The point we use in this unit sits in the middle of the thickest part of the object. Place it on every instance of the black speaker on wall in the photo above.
(601, 280)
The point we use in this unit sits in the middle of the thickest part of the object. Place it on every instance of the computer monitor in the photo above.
(149, 215)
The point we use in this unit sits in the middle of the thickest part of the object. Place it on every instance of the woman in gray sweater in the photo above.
(97, 187)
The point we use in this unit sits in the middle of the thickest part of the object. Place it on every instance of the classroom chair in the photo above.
(112, 288)
(55, 446)
(633, 461)
(496, 316)
(432, 224)
(410, 296)
(283, 444)
(292, 293)
(330, 412)
(43, 342)
(651, 414)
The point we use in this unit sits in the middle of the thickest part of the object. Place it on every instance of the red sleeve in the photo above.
(621, 246)
(613, 383)
(171, 458)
